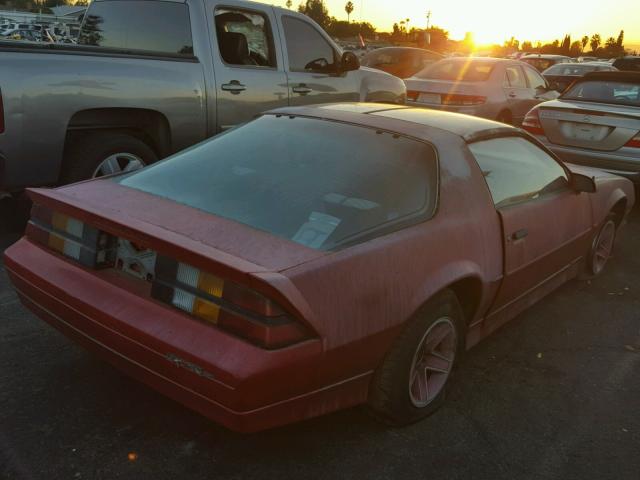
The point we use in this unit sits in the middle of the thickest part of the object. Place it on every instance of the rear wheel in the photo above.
(602, 247)
(100, 154)
(413, 380)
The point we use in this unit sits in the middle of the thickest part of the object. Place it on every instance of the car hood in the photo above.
(133, 214)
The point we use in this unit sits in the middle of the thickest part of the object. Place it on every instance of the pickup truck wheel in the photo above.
(413, 380)
(100, 154)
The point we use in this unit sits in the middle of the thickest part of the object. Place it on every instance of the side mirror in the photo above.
(349, 62)
(582, 183)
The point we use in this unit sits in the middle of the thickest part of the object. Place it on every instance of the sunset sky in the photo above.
(492, 21)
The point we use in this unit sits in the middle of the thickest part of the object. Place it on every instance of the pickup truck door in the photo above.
(247, 59)
(546, 225)
(312, 64)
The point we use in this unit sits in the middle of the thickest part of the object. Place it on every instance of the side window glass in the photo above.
(515, 77)
(244, 38)
(162, 27)
(307, 49)
(535, 79)
(517, 170)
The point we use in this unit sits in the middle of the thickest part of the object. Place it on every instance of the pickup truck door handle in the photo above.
(302, 89)
(234, 86)
(520, 234)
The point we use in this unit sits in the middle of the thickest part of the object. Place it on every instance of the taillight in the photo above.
(412, 95)
(1, 114)
(634, 142)
(532, 123)
(71, 237)
(228, 305)
(462, 100)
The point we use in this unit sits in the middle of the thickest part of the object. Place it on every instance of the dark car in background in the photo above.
(629, 63)
(541, 62)
(561, 75)
(596, 123)
(402, 62)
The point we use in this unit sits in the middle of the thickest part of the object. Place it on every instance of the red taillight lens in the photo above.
(532, 123)
(1, 114)
(634, 142)
(412, 95)
(463, 100)
(232, 307)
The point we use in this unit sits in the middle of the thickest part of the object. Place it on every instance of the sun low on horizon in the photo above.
(494, 21)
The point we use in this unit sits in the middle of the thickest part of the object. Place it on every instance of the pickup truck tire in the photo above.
(397, 396)
(85, 156)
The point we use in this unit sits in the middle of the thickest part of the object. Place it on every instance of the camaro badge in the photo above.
(182, 363)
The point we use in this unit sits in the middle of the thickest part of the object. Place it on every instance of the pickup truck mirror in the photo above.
(349, 62)
(582, 183)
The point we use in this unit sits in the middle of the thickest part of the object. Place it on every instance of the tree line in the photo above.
(39, 5)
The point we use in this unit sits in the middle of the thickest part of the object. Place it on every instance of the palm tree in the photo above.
(349, 9)
(585, 41)
(288, 4)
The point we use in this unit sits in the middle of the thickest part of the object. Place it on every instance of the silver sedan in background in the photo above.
(493, 88)
(596, 122)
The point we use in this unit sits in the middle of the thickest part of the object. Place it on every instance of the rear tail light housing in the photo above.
(412, 95)
(532, 122)
(71, 237)
(462, 100)
(634, 142)
(228, 305)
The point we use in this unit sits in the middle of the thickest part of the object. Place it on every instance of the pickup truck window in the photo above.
(308, 50)
(516, 170)
(244, 38)
(162, 27)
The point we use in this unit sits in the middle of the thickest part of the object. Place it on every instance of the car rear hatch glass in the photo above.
(318, 183)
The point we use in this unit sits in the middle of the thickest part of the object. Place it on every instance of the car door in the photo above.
(539, 88)
(313, 65)
(546, 225)
(248, 63)
(517, 92)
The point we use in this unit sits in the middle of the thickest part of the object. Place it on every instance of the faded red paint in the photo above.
(355, 300)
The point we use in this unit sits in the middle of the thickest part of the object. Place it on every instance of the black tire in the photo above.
(390, 399)
(594, 264)
(83, 157)
(505, 117)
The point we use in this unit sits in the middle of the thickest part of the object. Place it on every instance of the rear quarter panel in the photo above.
(363, 295)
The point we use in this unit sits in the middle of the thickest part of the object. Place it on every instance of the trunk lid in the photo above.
(174, 229)
(431, 91)
(594, 126)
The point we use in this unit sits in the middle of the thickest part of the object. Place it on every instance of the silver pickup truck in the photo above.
(152, 77)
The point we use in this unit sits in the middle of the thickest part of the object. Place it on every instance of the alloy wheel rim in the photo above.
(432, 362)
(603, 246)
(118, 163)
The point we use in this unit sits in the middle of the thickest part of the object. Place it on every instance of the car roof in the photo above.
(404, 49)
(479, 59)
(543, 55)
(403, 119)
(619, 76)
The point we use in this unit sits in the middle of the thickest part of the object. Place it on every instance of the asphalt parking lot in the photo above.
(553, 395)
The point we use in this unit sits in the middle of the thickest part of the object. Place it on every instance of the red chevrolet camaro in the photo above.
(315, 258)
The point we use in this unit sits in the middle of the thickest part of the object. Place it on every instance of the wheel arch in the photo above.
(149, 126)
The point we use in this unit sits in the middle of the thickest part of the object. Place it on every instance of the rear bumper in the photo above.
(610, 162)
(229, 381)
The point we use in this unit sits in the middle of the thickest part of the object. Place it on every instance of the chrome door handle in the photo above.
(513, 95)
(302, 89)
(234, 86)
